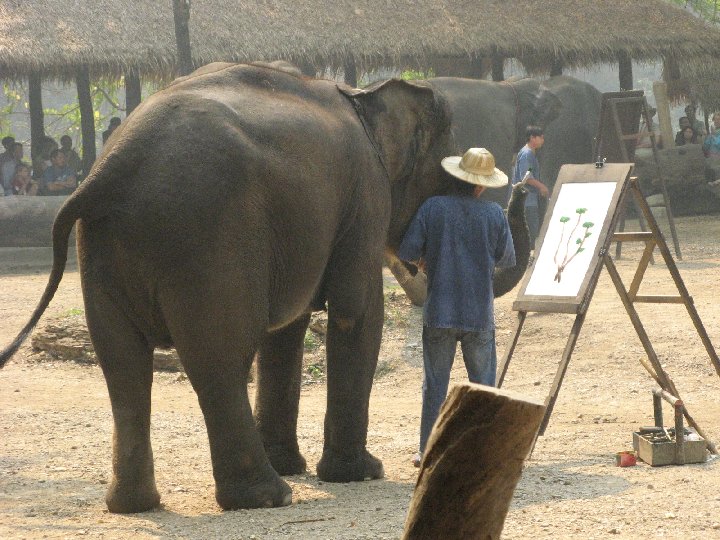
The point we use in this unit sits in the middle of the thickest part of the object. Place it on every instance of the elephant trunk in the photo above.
(505, 279)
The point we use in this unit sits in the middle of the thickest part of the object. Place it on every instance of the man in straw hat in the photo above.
(459, 239)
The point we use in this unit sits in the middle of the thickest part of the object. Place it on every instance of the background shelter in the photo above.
(85, 39)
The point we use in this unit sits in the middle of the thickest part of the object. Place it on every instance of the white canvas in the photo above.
(559, 257)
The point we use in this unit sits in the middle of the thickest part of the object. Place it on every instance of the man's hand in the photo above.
(542, 188)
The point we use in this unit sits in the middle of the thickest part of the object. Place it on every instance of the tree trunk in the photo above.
(181, 14)
(472, 464)
(87, 118)
(37, 122)
(625, 68)
(133, 90)
(350, 70)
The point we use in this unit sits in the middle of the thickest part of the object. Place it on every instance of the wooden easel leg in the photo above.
(661, 377)
(562, 368)
(511, 348)
(679, 283)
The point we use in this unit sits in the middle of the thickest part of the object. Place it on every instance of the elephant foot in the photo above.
(286, 461)
(334, 467)
(268, 491)
(128, 499)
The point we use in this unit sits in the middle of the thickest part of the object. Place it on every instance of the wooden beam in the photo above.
(498, 67)
(659, 299)
(625, 70)
(350, 71)
(472, 463)
(632, 236)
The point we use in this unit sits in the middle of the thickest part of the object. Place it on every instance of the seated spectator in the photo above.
(8, 155)
(696, 124)
(41, 164)
(688, 136)
(58, 179)
(7, 170)
(684, 122)
(23, 184)
(715, 126)
(71, 156)
(711, 145)
(114, 123)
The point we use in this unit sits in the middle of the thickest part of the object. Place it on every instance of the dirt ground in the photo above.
(55, 424)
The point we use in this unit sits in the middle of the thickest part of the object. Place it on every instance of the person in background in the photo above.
(645, 130)
(696, 124)
(527, 161)
(23, 184)
(683, 122)
(7, 169)
(71, 156)
(458, 239)
(689, 136)
(711, 144)
(58, 179)
(112, 126)
(8, 155)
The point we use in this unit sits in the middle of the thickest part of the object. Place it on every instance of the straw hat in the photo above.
(477, 167)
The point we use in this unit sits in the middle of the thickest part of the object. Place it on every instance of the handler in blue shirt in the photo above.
(458, 240)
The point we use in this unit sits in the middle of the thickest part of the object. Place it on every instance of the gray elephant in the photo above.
(569, 138)
(219, 213)
(494, 115)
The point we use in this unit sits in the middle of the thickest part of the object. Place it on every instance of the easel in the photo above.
(617, 136)
(579, 304)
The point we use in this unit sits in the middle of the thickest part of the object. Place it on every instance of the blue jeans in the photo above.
(439, 346)
(532, 216)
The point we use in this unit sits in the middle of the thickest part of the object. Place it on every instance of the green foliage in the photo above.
(316, 370)
(74, 311)
(705, 9)
(411, 74)
(311, 341)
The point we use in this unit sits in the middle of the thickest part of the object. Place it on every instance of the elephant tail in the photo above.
(505, 279)
(60, 234)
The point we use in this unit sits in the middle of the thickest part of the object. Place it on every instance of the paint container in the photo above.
(627, 458)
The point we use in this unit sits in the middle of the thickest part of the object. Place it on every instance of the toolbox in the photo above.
(660, 446)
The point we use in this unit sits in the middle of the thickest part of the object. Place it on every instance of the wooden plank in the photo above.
(659, 299)
(472, 464)
(545, 307)
(632, 236)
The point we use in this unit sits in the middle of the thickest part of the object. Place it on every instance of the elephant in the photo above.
(569, 138)
(494, 115)
(219, 214)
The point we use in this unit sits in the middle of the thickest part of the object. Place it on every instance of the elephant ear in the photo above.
(547, 106)
(398, 117)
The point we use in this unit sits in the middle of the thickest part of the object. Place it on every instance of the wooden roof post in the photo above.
(625, 68)
(87, 118)
(37, 121)
(181, 15)
(350, 71)
(556, 67)
(133, 90)
(498, 66)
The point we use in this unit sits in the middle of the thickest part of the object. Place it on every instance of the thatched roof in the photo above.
(55, 36)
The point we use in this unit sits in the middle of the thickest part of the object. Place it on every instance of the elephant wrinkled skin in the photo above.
(219, 212)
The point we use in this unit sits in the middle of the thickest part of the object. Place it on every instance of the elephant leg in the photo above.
(278, 396)
(353, 344)
(216, 350)
(127, 363)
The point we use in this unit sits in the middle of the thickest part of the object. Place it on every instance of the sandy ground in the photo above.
(55, 425)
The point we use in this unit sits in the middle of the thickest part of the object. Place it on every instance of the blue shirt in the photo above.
(462, 239)
(527, 159)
